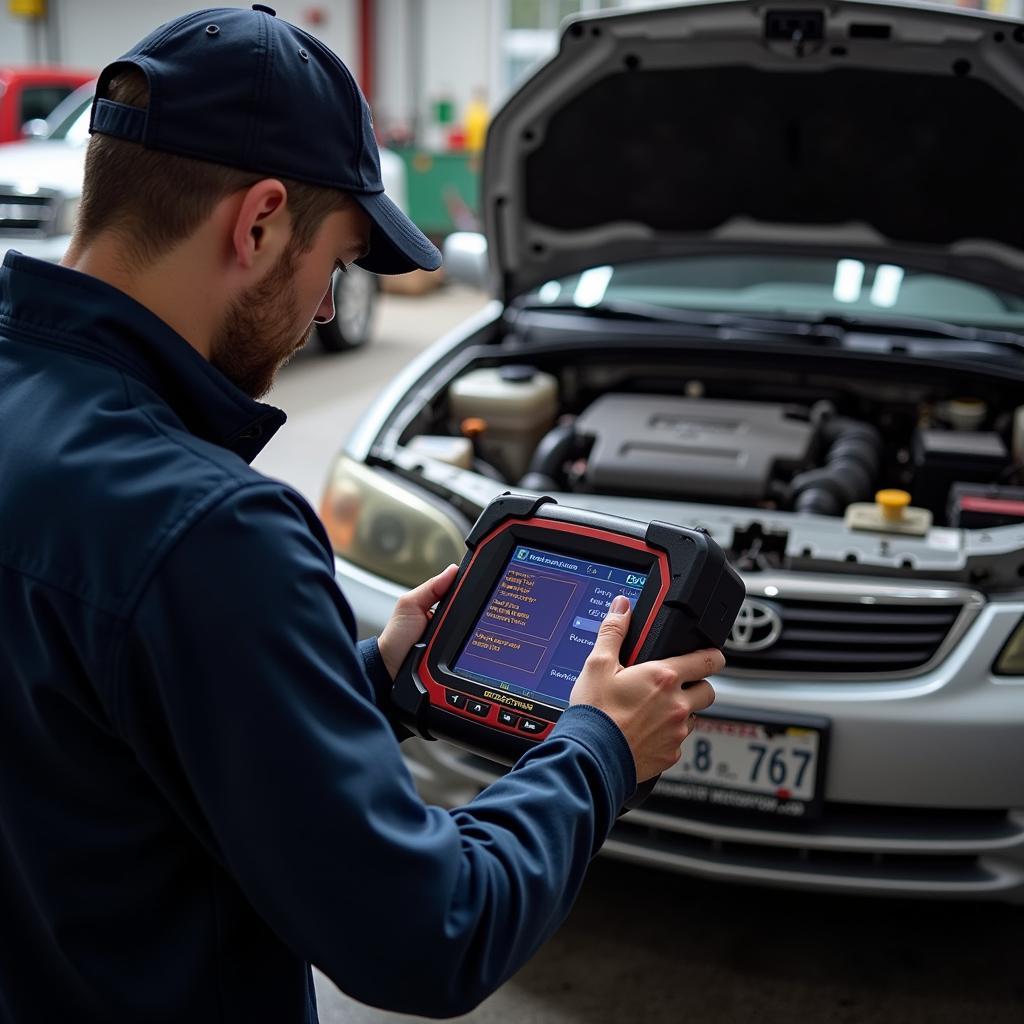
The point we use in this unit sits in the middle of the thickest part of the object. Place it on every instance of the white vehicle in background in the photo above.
(41, 185)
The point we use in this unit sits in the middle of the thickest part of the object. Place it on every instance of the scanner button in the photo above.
(507, 718)
(529, 725)
(455, 699)
(478, 707)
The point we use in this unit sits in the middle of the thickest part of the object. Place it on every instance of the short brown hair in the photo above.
(155, 199)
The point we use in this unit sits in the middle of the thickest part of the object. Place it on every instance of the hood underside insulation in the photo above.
(930, 159)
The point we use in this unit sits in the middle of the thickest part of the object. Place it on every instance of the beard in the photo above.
(258, 333)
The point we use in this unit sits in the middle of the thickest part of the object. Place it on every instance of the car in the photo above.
(40, 187)
(759, 271)
(28, 96)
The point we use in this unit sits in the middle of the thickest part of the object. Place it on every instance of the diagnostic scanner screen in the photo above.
(541, 621)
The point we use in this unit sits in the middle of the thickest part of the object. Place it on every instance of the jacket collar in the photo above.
(66, 309)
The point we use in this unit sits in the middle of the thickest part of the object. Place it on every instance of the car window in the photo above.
(795, 285)
(66, 122)
(78, 130)
(38, 100)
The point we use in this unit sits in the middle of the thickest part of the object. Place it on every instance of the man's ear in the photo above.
(262, 225)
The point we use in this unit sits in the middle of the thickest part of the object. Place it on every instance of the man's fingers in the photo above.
(700, 696)
(441, 583)
(428, 594)
(697, 665)
(613, 629)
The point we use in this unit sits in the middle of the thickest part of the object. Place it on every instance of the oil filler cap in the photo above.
(892, 503)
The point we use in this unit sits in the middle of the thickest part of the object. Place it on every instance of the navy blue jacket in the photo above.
(200, 794)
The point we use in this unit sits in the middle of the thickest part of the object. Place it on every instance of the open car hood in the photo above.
(875, 131)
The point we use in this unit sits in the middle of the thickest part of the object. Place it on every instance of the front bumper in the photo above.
(924, 791)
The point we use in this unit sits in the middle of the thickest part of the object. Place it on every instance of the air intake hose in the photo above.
(850, 471)
(556, 447)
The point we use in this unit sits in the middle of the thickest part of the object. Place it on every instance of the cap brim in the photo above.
(396, 244)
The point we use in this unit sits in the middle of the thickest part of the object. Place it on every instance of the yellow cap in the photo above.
(892, 503)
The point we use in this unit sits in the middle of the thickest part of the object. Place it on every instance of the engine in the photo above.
(746, 453)
(961, 459)
(691, 448)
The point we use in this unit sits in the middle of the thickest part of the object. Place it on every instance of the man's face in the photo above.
(269, 322)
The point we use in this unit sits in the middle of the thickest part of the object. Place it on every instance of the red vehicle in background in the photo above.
(29, 94)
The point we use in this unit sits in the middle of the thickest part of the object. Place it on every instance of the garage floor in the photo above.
(643, 946)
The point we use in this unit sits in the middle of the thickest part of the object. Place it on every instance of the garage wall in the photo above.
(91, 33)
(16, 39)
(457, 50)
(398, 64)
(429, 49)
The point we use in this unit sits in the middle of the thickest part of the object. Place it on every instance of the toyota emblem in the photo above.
(757, 627)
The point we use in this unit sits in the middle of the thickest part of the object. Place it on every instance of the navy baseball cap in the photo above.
(246, 89)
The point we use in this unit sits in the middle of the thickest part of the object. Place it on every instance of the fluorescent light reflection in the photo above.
(591, 286)
(849, 280)
(886, 289)
(549, 291)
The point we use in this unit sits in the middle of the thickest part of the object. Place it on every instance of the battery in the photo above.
(980, 507)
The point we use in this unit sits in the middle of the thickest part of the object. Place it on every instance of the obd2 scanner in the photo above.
(494, 669)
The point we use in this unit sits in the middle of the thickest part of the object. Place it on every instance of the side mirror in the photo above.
(465, 259)
(37, 128)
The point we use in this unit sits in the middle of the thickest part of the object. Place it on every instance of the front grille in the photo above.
(869, 632)
(22, 215)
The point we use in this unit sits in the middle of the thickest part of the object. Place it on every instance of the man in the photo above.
(201, 792)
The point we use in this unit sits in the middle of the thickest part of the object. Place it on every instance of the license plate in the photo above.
(752, 761)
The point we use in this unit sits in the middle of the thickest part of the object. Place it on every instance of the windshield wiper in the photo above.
(920, 327)
(625, 309)
(824, 327)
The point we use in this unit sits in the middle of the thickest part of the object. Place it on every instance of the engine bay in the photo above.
(959, 458)
(806, 469)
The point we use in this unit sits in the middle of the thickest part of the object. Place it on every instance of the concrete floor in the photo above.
(643, 946)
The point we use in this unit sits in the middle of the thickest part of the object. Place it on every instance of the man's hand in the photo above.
(410, 618)
(653, 703)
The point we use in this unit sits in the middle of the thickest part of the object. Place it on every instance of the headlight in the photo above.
(386, 528)
(66, 217)
(1011, 659)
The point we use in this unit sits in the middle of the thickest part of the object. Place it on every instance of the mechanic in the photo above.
(201, 792)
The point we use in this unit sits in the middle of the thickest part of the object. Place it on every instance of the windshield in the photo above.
(783, 285)
(70, 120)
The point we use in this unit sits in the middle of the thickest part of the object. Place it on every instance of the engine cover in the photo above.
(692, 448)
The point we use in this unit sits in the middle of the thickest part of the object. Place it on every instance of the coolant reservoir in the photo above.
(520, 405)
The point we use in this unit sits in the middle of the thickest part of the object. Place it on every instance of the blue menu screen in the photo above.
(540, 623)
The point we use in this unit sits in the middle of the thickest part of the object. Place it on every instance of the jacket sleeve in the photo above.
(380, 679)
(246, 699)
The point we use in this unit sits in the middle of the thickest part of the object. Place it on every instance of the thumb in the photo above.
(442, 582)
(427, 594)
(613, 629)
